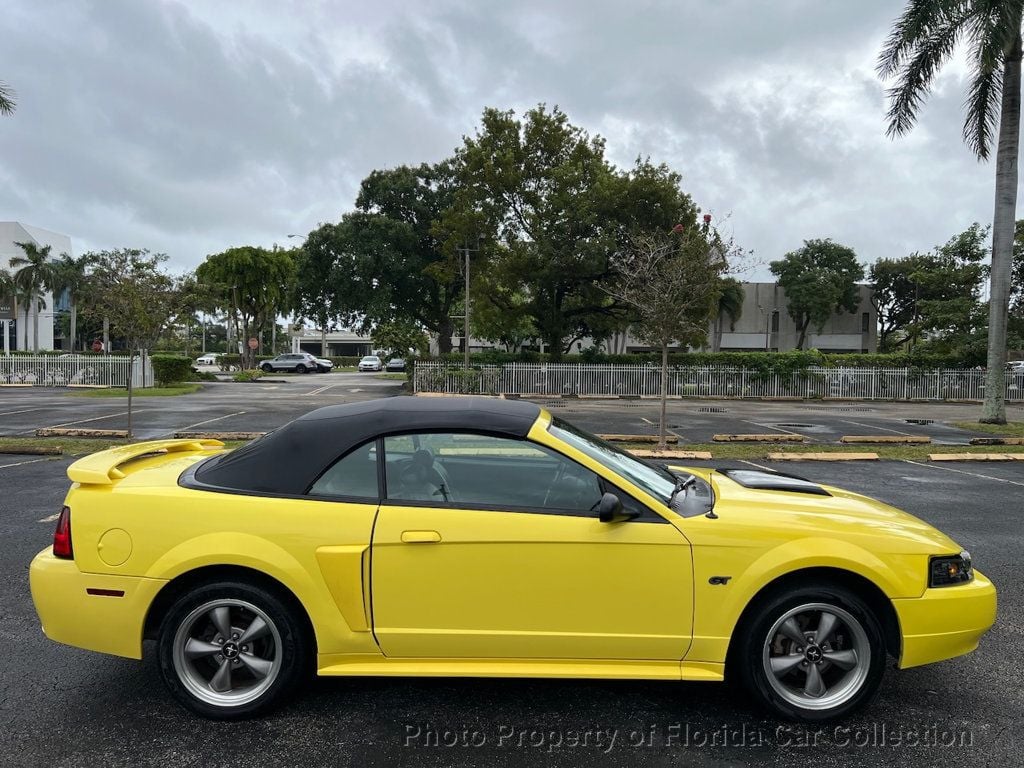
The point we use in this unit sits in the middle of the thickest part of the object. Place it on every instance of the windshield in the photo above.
(656, 481)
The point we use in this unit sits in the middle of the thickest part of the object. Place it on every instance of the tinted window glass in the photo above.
(354, 476)
(489, 471)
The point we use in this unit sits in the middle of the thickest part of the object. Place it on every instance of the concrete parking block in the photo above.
(638, 438)
(772, 438)
(822, 457)
(885, 439)
(976, 457)
(75, 432)
(644, 453)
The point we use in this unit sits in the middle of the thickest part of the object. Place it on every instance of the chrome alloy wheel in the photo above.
(227, 652)
(817, 656)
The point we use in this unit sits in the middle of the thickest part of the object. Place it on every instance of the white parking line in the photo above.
(769, 426)
(965, 472)
(759, 466)
(209, 421)
(20, 463)
(321, 389)
(23, 410)
(94, 418)
(874, 426)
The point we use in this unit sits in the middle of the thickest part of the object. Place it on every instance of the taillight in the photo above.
(62, 536)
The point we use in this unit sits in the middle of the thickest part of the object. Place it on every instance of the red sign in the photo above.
(253, 343)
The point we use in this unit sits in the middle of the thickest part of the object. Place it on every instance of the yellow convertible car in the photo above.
(482, 537)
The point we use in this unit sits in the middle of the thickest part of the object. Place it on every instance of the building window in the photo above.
(775, 321)
(865, 322)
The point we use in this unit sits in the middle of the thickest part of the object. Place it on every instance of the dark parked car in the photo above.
(395, 365)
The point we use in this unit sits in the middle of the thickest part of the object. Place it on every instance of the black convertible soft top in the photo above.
(288, 460)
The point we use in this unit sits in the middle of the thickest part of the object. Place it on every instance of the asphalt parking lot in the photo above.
(64, 707)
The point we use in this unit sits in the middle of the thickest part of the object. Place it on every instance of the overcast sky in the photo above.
(190, 127)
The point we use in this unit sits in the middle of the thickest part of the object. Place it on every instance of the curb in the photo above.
(649, 454)
(822, 457)
(997, 441)
(61, 432)
(759, 438)
(976, 457)
(637, 438)
(218, 435)
(30, 450)
(902, 439)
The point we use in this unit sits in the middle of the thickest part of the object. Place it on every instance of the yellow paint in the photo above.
(412, 590)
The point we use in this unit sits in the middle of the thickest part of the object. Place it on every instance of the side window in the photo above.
(470, 469)
(353, 476)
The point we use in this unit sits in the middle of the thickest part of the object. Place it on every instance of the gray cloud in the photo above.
(191, 128)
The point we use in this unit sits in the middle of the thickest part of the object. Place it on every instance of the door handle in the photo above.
(420, 537)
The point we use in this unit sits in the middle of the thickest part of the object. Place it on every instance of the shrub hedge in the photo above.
(171, 369)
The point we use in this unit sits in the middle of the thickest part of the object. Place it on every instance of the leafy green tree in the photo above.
(253, 285)
(819, 279)
(315, 296)
(895, 295)
(672, 281)
(400, 339)
(7, 102)
(35, 273)
(922, 40)
(551, 209)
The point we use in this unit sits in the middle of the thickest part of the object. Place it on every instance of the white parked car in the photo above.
(210, 358)
(371, 363)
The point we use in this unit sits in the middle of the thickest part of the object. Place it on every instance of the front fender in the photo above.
(717, 608)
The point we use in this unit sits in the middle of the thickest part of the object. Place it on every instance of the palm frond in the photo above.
(7, 102)
(918, 67)
(919, 21)
(991, 31)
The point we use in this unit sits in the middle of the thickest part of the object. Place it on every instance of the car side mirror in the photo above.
(610, 510)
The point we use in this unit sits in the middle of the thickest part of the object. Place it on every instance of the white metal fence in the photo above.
(68, 370)
(711, 381)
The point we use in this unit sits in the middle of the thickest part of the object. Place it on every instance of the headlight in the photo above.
(946, 571)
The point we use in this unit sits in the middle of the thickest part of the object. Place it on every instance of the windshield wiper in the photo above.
(682, 483)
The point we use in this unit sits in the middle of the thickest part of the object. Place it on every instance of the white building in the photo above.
(16, 333)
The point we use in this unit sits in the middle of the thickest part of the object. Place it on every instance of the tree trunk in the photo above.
(802, 339)
(106, 335)
(35, 324)
(662, 426)
(444, 337)
(1003, 225)
(74, 326)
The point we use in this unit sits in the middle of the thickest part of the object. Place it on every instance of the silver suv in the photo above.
(299, 362)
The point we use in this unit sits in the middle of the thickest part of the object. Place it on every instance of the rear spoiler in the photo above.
(102, 468)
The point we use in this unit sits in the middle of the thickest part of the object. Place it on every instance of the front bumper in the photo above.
(945, 622)
(104, 623)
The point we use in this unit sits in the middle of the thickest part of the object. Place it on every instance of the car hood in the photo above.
(840, 514)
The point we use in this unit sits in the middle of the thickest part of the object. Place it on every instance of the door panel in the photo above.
(507, 584)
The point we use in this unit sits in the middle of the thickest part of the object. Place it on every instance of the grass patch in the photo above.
(1013, 429)
(177, 389)
(758, 451)
(391, 376)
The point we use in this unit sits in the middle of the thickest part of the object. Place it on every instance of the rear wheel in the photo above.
(266, 367)
(813, 654)
(231, 650)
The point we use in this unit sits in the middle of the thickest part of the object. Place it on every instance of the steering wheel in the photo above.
(419, 476)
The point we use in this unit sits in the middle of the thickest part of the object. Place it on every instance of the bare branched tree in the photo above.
(672, 283)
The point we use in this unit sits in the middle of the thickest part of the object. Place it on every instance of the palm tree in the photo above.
(71, 275)
(6, 99)
(35, 273)
(730, 304)
(8, 291)
(924, 38)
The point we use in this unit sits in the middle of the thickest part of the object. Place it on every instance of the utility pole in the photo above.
(466, 250)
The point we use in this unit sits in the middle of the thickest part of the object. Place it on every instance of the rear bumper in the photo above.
(97, 622)
(945, 622)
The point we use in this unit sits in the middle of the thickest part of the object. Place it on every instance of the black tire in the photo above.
(189, 617)
(760, 640)
(267, 368)
(300, 368)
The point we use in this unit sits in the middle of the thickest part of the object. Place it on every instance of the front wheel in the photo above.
(812, 654)
(267, 368)
(231, 650)
(300, 368)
